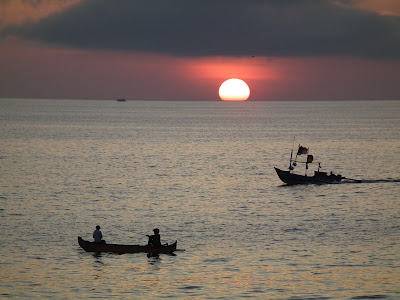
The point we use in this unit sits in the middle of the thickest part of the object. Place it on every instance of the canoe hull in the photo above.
(121, 249)
(291, 178)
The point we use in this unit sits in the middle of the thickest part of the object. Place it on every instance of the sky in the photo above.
(185, 49)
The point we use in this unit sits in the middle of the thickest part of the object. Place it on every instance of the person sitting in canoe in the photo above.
(155, 239)
(97, 235)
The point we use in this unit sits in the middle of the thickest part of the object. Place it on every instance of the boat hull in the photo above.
(121, 249)
(291, 178)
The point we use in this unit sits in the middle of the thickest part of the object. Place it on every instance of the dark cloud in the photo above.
(221, 27)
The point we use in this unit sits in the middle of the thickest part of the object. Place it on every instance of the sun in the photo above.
(234, 90)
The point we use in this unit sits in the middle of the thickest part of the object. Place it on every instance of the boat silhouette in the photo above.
(291, 178)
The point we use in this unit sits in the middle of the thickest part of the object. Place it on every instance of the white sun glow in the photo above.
(234, 90)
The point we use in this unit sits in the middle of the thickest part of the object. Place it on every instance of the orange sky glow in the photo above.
(382, 7)
(17, 12)
(28, 67)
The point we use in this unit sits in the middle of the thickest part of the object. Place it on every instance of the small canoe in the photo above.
(121, 249)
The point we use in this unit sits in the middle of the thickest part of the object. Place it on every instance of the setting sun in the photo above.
(234, 90)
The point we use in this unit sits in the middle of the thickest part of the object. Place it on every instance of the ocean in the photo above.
(203, 173)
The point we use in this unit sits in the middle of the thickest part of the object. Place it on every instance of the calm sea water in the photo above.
(203, 173)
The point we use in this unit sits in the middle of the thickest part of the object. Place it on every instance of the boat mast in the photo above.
(291, 156)
(308, 151)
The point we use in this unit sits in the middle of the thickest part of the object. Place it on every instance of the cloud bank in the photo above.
(273, 28)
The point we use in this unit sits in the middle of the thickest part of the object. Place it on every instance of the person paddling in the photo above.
(155, 239)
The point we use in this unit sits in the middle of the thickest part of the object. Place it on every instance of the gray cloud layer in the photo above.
(221, 27)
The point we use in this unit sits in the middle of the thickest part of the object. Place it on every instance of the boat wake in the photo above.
(349, 180)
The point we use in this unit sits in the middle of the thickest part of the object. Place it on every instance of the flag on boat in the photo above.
(302, 150)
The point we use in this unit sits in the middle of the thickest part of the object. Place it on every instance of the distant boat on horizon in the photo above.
(121, 100)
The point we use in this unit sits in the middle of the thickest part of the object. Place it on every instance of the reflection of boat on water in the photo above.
(289, 177)
(121, 249)
(121, 100)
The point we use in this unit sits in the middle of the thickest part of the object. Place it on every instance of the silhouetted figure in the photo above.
(155, 239)
(97, 235)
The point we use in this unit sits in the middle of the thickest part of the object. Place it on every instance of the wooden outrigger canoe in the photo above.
(121, 249)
